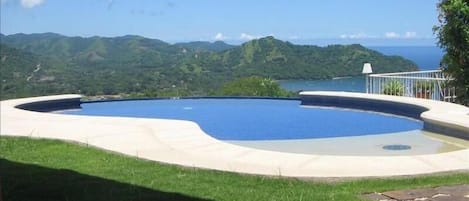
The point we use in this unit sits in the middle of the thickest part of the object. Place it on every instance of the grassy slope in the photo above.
(53, 170)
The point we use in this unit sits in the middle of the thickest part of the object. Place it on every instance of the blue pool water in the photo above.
(257, 119)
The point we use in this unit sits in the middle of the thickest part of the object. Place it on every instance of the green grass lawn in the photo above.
(37, 169)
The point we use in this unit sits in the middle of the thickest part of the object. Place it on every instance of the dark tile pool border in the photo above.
(51, 105)
(395, 108)
(74, 102)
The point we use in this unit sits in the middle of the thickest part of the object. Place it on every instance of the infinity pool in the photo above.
(257, 119)
(288, 126)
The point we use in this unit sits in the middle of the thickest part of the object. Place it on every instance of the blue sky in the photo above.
(370, 22)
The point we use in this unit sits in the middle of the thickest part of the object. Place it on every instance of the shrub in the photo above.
(394, 87)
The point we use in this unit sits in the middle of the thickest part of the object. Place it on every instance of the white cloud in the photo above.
(245, 36)
(391, 35)
(410, 34)
(387, 35)
(219, 36)
(356, 36)
(31, 3)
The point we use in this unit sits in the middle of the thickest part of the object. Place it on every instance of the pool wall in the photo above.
(450, 130)
(438, 117)
(396, 108)
(72, 102)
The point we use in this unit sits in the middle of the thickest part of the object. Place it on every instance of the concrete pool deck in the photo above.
(184, 143)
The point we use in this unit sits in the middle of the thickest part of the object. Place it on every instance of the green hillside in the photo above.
(269, 57)
(150, 67)
(25, 74)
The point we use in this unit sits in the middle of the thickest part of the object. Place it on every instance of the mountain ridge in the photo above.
(216, 46)
(135, 64)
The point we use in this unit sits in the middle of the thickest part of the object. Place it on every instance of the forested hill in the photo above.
(25, 74)
(134, 64)
(270, 57)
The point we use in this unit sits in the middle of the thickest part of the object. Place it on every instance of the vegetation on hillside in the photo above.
(453, 35)
(254, 86)
(25, 74)
(148, 67)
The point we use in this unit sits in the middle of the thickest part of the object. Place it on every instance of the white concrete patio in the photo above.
(184, 143)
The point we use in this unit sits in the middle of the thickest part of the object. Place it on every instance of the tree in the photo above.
(254, 86)
(453, 36)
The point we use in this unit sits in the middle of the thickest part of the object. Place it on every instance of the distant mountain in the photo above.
(125, 50)
(216, 46)
(134, 64)
(274, 58)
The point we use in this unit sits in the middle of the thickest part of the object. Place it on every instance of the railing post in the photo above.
(367, 70)
(367, 83)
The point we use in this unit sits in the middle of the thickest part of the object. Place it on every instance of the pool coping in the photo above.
(184, 143)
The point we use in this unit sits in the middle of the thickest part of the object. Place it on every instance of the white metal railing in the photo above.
(432, 84)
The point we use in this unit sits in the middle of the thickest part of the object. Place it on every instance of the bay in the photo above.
(426, 58)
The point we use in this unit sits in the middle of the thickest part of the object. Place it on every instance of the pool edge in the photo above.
(183, 143)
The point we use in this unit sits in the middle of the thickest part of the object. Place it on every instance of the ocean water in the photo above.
(350, 84)
(426, 58)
